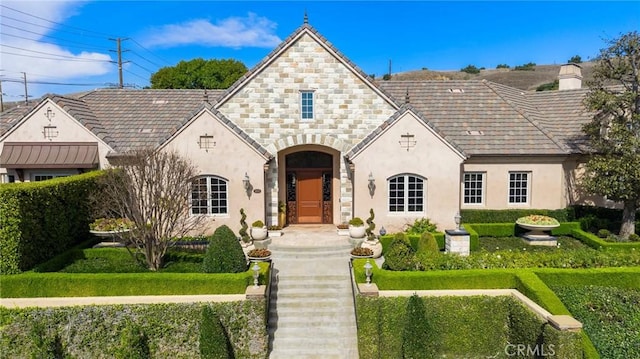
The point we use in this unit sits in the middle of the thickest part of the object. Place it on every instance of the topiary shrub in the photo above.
(428, 244)
(243, 227)
(214, 343)
(134, 343)
(416, 331)
(356, 221)
(371, 226)
(224, 254)
(400, 256)
(258, 224)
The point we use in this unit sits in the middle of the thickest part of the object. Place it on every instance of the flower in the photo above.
(259, 253)
(111, 224)
(538, 220)
(361, 251)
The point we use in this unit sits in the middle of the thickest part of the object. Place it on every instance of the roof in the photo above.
(49, 155)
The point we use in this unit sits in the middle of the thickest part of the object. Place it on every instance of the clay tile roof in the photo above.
(481, 118)
(12, 116)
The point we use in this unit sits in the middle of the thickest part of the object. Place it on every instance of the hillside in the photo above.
(524, 80)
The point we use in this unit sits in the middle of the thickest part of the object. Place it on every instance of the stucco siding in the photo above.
(430, 158)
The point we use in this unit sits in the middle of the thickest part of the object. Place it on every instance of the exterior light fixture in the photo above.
(458, 219)
(256, 273)
(368, 271)
(246, 183)
(372, 184)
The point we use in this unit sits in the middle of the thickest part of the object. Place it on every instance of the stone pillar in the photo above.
(457, 241)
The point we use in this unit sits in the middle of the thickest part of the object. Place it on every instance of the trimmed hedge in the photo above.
(172, 330)
(456, 323)
(39, 220)
(598, 243)
(624, 277)
(32, 285)
(511, 215)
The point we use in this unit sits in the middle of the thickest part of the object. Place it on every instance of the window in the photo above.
(519, 187)
(50, 132)
(473, 188)
(406, 194)
(209, 196)
(306, 105)
(42, 177)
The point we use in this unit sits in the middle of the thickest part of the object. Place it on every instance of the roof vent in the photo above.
(160, 102)
(475, 133)
(456, 90)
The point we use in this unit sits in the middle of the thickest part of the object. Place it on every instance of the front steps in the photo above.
(311, 312)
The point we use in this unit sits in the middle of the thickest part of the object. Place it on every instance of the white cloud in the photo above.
(25, 47)
(235, 32)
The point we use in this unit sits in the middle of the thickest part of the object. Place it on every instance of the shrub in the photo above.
(134, 343)
(604, 233)
(356, 221)
(470, 69)
(634, 237)
(511, 215)
(400, 256)
(214, 343)
(371, 226)
(530, 66)
(258, 224)
(415, 334)
(502, 66)
(224, 254)
(575, 59)
(386, 77)
(420, 226)
(46, 342)
(428, 244)
(549, 86)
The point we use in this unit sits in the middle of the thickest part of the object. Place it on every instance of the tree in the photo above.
(199, 74)
(502, 66)
(613, 169)
(575, 59)
(470, 69)
(153, 189)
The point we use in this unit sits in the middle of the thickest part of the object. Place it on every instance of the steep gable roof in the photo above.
(305, 29)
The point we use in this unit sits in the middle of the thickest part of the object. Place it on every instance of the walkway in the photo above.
(311, 310)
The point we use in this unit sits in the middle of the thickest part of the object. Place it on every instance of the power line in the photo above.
(60, 57)
(53, 43)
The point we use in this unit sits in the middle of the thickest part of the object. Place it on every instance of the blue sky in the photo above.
(68, 42)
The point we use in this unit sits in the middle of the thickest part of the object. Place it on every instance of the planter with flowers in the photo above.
(259, 255)
(361, 252)
(537, 226)
(108, 227)
(274, 231)
(343, 229)
(259, 234)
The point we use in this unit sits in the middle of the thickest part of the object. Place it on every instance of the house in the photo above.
(306, 127)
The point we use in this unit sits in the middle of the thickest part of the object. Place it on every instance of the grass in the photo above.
(494, 244)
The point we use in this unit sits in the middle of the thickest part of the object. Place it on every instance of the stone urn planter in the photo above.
(538, 227)
(258, 255)
(357, 228)
(375, 246)
(259, 231)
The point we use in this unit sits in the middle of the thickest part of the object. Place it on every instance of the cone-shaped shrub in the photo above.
(214, 343)
(416, 331)
(428, 244)
(224, 254)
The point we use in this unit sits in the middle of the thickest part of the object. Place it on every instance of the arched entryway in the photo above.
(309, 187)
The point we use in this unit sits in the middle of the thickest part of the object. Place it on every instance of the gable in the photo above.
(266, 103)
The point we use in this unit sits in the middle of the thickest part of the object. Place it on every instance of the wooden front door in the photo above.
(309, 196)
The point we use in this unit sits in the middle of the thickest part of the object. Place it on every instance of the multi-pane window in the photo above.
(306, 105)
(519, 187)
(406, 194)
(473, 187)
(209, 195)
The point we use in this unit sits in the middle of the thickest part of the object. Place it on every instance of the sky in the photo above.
(66, 46)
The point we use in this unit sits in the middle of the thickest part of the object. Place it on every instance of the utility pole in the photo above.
(119, 51)
(1, 98)
(389, 68)
(26, 94)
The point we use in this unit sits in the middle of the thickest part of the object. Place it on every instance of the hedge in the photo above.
(624, 277)
(172, 330)
(32, 285)
(511, 215)
(459, 327)
(39, 220)
(414, 239)
(594, 241)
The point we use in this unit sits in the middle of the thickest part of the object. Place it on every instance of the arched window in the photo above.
(406, 194)
(209, 195)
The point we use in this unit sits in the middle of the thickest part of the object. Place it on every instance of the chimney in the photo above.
(570, 77)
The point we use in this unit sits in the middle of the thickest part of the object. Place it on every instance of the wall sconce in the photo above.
(246, 183)
(372, 184)
(458, 219)
(367, 271)
(256, 273)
